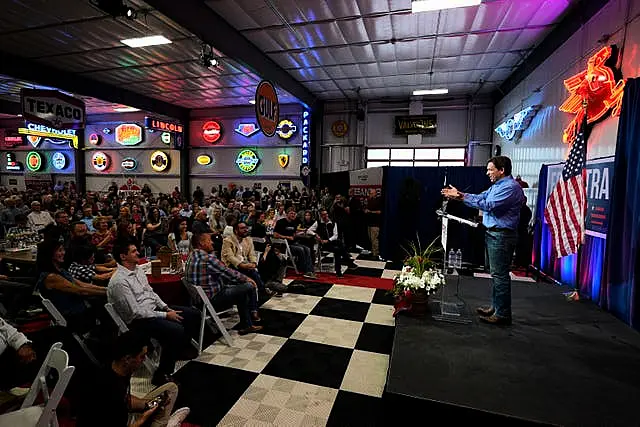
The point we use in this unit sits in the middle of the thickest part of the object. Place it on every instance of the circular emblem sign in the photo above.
(286, 129)
(211, 131)
(204, 160)
(59, 160)
(100, 161)
(247, 161)
(166, 137)
(267, 108)
(159, 161)
(34, 161)
(339, 128)
(94, 139)
(129, 163)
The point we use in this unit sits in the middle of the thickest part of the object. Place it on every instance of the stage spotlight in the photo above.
(116, 8)
(207, 59)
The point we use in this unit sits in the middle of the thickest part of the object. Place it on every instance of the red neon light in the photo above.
(597, 85)
(211, 131)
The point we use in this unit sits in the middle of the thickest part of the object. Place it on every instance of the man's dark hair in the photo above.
(73, 224)
(237, 225)
(81, 253)
(129, 343)
(196, 239)
(60, 213)
(121, 247)
(501, 163)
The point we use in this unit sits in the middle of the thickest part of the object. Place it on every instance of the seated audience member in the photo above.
(180, 238)
(104, 237)
(39, 219)
(326, 233)
(17, 357)
(223, 285)
(87, 217)
(142, 309)
(286, 228)
(80, 237)
(21, 226)
(84, 268)
(108, 401)
(238, 252)
(201, 223)
(259, 227)
(153, 236)
(67, 294)
(229, 220)
(273, 268)
(62, 224)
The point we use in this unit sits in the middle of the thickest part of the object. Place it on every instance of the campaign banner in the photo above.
(599, 177)
(363, 180)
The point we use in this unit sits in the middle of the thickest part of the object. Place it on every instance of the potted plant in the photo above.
(418, 280)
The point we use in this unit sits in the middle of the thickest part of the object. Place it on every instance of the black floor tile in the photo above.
(394, 265)
(368, 257)
(369, 272)
(312, 363)
(341, 309)
(279, 323)
(210, 390)
(316, 289)
(376, 338)
(382, 296)
(356, 410)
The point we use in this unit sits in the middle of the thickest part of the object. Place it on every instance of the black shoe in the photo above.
(189, 353)
(495, 320)
(339, 275)
(485, 311)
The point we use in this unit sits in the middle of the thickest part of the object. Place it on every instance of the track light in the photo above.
(116, 8)
(207, 59)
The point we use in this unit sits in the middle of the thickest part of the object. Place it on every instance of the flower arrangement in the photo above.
(418, 279)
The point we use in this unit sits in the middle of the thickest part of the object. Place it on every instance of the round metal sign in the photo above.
(267, 108)
(211, 131)
(59, 160)
(100, 161)
(247, 161)
(159, 161)
(34, 161)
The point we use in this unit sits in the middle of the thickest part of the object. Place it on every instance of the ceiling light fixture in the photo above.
(441, 91)
(125, 109)
(252, 101)
(116, 8)
(146, 41)
(431, 5)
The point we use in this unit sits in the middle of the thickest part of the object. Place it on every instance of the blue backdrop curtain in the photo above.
(412, 196)
(619, 293)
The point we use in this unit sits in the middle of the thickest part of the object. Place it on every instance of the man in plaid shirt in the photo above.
(223, 285)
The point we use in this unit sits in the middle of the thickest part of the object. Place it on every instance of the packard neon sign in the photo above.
(598, 86)
(306, 142)
(514, 127)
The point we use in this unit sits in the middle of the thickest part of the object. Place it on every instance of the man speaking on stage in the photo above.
(500, 205)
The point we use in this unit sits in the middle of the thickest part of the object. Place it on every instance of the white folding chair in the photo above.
(288, 254)
(59, 320)
(43, 415)
(151, 362)
(208, 313)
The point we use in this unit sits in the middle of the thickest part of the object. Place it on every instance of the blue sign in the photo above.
(306, 141)
(514, 126)
(599, 179)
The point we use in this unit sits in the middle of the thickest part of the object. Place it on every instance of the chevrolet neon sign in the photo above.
(42, 131)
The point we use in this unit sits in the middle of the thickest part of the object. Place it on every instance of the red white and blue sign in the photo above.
(247, 129)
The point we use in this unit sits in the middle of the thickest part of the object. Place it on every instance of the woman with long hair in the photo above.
(180, 237)
(153, 236)
(104, 237)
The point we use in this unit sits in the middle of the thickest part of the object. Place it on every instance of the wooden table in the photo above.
(18, 256)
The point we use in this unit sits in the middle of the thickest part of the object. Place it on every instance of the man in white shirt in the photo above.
(326, 233)
(38, 219)
(15, 354)
(142, 309)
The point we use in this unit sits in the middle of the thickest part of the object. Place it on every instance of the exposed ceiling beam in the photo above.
(198, 18)
(580, 13)
(9, 107)
(42, 74)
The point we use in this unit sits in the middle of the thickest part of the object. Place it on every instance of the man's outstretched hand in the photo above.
(452, 193)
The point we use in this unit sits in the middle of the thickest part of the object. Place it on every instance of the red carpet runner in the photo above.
(348, 279)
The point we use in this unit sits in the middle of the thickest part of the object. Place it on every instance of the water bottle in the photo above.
(452, 260)
(459, 259)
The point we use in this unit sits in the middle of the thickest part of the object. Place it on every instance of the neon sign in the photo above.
(162, 125)
(247, 129)
(159, 161)
(247, 161)
(517, 124)
(35, 133)
(597, 85)
(166, 137)
(128, 134)
(34, 161)
(94, 139)
(306, 143)
(129, 163)
(204, 159)
(12, 164)
(59, 160)
(286, 129)
(283, 160)
(211, 131)
(100, 161)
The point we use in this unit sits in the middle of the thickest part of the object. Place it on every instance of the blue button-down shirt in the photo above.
(501, 203)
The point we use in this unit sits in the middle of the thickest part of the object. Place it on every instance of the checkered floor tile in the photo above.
(324, 348)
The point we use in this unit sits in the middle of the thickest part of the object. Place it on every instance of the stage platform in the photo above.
(561, 363)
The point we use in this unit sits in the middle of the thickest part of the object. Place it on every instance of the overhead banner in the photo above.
(599, 178)
(426, 125)
(52, 108)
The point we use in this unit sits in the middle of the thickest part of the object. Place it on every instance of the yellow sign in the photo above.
(72, 138)
(283, 159)
(204, 160)
(247, 161)
(159, 161)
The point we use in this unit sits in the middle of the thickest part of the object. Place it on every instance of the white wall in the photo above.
(542, 141)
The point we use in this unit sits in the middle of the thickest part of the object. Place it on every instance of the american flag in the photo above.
(566, 209)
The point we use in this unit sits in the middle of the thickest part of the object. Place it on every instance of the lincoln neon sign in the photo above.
(514, 127)
(306, 142)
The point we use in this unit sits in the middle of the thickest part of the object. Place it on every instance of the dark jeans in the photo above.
(500, 247)
(303, 254)
(255, 276)
(173, 336)
(340, 254)
(241, 294)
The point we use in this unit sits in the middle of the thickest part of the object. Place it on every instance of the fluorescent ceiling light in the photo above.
(430, 5)
(125, 109)
(252, 101)
(146, 41)
(442, 91)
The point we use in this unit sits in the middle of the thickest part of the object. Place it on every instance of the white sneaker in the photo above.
(178, 417)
